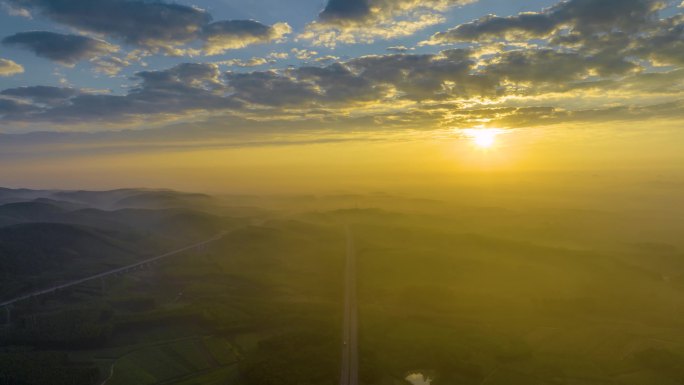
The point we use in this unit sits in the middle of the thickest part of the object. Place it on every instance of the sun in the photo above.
(483, 137)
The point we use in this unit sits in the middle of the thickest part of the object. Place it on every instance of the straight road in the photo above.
(350, 346)
(111, 272)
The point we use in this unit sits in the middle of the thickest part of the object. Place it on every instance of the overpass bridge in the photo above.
(7, 305)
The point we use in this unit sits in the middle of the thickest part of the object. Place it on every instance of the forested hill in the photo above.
(49, 236)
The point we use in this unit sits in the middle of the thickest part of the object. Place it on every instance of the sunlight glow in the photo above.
(483, 137)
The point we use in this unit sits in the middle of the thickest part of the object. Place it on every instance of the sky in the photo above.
(233, 95)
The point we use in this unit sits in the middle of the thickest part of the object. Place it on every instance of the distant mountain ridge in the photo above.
(36, 247)
(51, 235)
(109, 199)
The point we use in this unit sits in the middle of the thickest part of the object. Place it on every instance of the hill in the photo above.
(34, 254)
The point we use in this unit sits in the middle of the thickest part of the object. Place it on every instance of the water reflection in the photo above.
(418, 379)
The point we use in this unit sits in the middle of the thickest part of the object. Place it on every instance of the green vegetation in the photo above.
(467, 295)
(43, 368)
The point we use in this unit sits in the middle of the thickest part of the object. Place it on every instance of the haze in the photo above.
(377, 192)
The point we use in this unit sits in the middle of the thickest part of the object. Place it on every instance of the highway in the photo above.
(119, 270)
(350, 350)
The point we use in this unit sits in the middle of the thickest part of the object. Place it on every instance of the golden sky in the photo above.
(359, 94)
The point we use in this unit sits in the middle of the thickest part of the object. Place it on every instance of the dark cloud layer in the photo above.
(598, 65)
(357, 10)
(65, 49)
(550, 66)
(143, 23)
(231, 34)
(10, 109)
(41, 94)
(666, 44)
(449, 80)
(153, 25)
(353, 21)
(582, 17)
(236, 28)
(345, 9)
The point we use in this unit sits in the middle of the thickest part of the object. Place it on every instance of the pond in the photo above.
(418, 379)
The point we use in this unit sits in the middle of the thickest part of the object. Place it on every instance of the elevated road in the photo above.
(120, 270)
(350, 350)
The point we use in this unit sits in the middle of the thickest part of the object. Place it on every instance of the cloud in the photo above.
(178, 90)
(232, 34)
(11, 108)
(589, 68)
(544, 116)
(15, 11)
(139, 23)
(330, 35)
(581, 17)
(270, 88)
(110, 65)
(550, 66)
(9, 68)
(339, 83)
(398, 49)
(665, 46)
(346, 9)
(195, 75)
(156, 26)
(370, 79)
(364, 21)
(278, 55)
(423, 77)
(61, 48)
(326, 59)
(271, 58)
(341, 11)
(253, 62)
(493, 27)
(41, 94)
(574, 40)
(304, 54)
(372, 85)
